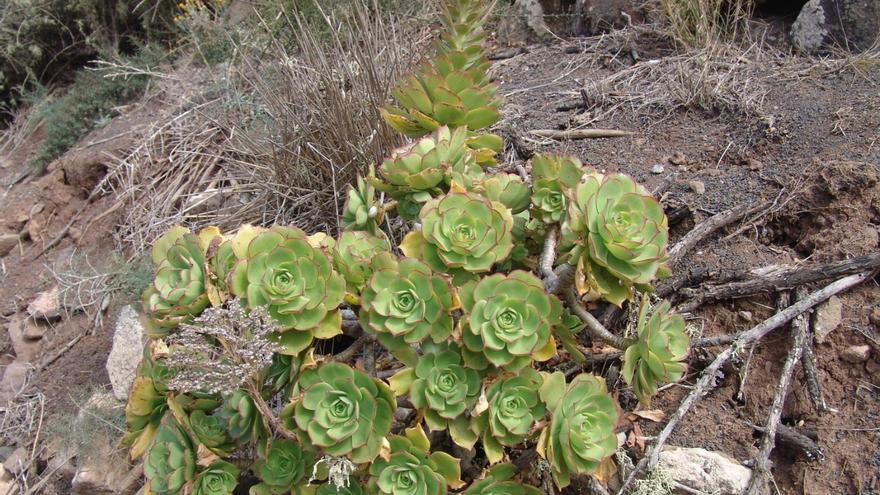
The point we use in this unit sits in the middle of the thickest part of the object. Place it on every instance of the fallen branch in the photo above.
(808, 365)
(793, 439)
(707, 381)
(760, 474)
(596, 329)
(709, 226)
(571, 134)
(783, 279)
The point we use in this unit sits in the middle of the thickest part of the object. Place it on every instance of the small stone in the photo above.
(46, 306)
(827, 319)
(755, 165)
(7, 242)
(16, 462)
(34, 332)
(127, 351)
(856, 354)
(26, 350)
(657, 169)
(705, 471)
(677, 158)
(744, 315)
(697, 186)
(640, 141)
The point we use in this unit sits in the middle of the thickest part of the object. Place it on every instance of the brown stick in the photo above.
(571, 134)
(596, 329)
(760, 474)
(709, 226)
(706, 383)
(273, 422)
(349, 352)
(784, 279)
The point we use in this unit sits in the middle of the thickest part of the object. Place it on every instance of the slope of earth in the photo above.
(713, 131)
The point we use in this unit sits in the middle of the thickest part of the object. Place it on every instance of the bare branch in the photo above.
(596, 329)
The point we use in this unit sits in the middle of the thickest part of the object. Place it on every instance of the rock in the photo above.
(755, 165)
(745, 316)
(677, 158)
(7, 483)
(705, 471)
(14, 380)
(46, 306)
(697, 186)
(127, 351)
(7, 242)
(657, 169)
(856, 354)
(852, 24)
(26, 350)
(827, 318)
(17, 461)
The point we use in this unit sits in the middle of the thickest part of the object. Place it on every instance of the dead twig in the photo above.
(572, 134)
(349, 352)
(778, 280)
(596, 329)
(707, 381)
(791, 438)
(709, 226)
(761, 472)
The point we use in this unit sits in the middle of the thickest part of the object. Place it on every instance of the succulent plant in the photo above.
(444, 389)
(658, 353)
(581, 429)
(508, 321)
(352, 255)
(342, 411)
(170, 462)
(405, 303)
(177, 293)
(623, 233)
(566, 332)
(463, 231)
(555, 177)
(496, 481)
(451, 90)
(297, 284)
(514, 407)
(221, 260)
(429, 162)
(361, 211)
(463, 21)
(411, 470)
(241, 417)
(283, 467)
(143, 412)
(210, 431)
(507, 189)
(219, 478)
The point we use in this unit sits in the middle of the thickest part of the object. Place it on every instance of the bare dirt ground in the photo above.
(813, 130)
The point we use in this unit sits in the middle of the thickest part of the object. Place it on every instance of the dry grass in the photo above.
(276, 135)
(320, 126)
(702, 23)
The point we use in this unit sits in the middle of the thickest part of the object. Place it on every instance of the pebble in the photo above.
(657, 169)
(697, 186)
(7, 242)
(856, 354)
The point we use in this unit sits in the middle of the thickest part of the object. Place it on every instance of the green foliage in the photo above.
(462, 308)
(657, 354)
(622, 232)
(581, 431)
(178, 291)
(509, 321)
(219, 478)
(295, 281)
(171, 461)
(343, 411)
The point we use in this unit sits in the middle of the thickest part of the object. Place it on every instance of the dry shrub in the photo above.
(700, 23)
(319, 125)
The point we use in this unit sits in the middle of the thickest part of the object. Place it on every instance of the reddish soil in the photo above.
(741, 158)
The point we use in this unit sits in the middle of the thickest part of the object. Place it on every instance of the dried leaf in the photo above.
(655, 415)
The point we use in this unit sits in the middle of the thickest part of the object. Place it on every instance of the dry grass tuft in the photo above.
(701, 23)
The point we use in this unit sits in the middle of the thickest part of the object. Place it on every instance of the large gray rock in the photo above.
(851, 24)
(127, 351)
(705, 471)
